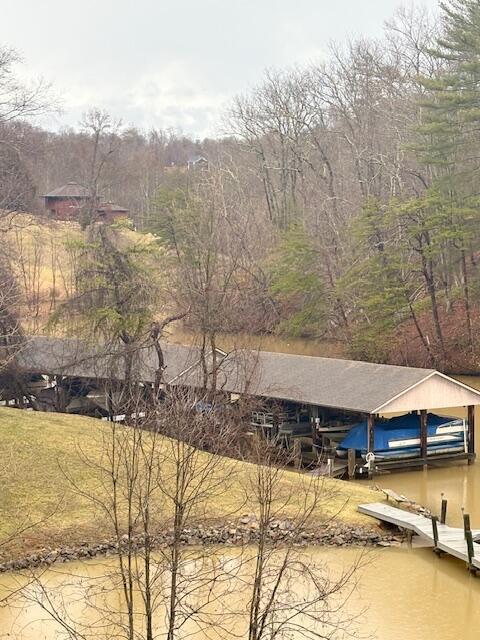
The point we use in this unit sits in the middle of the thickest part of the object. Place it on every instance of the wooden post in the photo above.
(56, 394)
(370, 433)
(470, 551)
(443, 515)
(315, 438)
(423, 435)
(471, 433)
(435, 531)
(351, 463)
(274, 430)
(466, 524)
(297, 454)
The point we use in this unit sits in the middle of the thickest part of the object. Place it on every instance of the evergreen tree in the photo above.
(451, 135)
(296, 286)
(373, 285)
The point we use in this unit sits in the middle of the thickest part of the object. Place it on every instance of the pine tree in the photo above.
(451, 133)
(296, 284)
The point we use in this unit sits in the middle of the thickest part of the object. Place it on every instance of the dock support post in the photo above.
(469, 540)
(315, 423)
(423, 435)
(443, 514)
(471, 433)
(370, 438)
(351, 462)
(470, 551)
(297, 454)
(435, 533)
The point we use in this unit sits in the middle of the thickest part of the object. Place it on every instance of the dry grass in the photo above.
(43, 452)
(45, 259)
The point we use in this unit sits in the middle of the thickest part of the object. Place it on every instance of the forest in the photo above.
(341, 204)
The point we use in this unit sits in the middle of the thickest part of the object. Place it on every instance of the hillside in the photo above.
(44, 454)
(45, 254)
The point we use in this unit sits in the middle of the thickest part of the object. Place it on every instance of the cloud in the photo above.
(164, 64)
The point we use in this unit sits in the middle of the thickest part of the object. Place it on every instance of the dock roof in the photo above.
(346, 384)
(75, 358)
(329, 382)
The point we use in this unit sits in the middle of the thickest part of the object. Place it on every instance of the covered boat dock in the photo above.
(309, 404)
(338, 394)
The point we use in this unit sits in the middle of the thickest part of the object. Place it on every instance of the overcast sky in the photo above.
(174, 63)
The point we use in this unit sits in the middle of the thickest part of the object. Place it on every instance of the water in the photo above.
(298, 346)
(408, 594)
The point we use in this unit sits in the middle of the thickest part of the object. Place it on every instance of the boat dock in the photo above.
(457, 542)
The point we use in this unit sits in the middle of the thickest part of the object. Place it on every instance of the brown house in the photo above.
(69, 201)
(109, 212)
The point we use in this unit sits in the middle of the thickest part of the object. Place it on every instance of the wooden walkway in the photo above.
(450, 540)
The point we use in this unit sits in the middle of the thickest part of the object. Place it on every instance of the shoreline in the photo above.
(281, 532)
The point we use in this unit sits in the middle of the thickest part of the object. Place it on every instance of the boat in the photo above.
(399, 437)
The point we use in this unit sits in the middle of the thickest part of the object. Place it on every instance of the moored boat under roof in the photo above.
(399, 437)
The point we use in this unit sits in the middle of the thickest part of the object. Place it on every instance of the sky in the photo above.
(177, 63)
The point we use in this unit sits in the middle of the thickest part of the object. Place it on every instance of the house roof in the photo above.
(196, 159)
(343, 384)
(69, 190)
(111, 206)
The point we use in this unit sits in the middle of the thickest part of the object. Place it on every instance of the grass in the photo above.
(42, 453)
(46, 254)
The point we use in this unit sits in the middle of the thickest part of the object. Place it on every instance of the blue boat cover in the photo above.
(399, 428)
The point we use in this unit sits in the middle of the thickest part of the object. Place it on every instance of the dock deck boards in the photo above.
(451, 540)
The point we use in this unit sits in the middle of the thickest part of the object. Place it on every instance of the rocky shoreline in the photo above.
(243, 532)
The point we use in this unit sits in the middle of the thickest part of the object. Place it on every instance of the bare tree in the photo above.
(18, 101)
(103, 135)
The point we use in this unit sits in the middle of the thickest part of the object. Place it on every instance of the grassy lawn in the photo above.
(44, 455)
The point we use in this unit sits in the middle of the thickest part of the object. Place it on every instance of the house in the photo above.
(197, 162)
(69, 201)
(109, 212)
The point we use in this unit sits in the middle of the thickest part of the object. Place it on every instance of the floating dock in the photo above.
(456, 542)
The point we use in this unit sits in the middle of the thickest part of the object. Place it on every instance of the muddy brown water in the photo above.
(403, 594)
(408, 593)
(460, 483)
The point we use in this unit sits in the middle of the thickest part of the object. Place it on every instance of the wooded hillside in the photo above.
(341, 204)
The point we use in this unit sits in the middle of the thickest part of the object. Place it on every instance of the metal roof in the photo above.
(197, 158)
(350, 385)
(69, 190)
